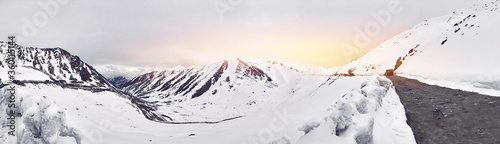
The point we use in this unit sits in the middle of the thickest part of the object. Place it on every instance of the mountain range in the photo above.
(62, 99)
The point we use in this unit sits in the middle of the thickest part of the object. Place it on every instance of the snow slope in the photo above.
(369, 114)
(48, 113)
(229, 102)
(459, 50)
(71, 116)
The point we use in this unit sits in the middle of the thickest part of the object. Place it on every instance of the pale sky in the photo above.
(168, 33)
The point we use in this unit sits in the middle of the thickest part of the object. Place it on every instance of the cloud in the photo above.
(129, 72)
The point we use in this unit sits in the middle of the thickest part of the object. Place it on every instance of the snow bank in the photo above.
(37, 121)
(43, 123)
(369, 114)
(473, 84)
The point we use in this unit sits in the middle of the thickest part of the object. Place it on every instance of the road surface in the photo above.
(448, 116)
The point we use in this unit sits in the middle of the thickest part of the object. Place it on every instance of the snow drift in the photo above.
(369, 114)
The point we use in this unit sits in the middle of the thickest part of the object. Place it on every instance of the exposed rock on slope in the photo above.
(54, 65)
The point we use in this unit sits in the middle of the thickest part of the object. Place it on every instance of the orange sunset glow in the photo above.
(310, 47)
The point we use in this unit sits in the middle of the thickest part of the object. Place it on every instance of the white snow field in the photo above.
(459, 50)
(363, 109)
(269, 103)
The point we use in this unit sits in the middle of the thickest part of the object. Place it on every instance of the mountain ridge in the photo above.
(55, 66)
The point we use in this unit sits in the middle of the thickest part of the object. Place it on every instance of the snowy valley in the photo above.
(62, 99)
(235, 101)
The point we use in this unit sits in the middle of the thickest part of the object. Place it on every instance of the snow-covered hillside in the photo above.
(459, 50)
(49, 113)
(229, 102)
(281, 102)
(236, 101)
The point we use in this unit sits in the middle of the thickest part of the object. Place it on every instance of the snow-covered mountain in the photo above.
(234, 98)
(193, 82)
(53, 65)
(459, 50)
(318, 108)
(55, 94)
(236, 101)
(316, 111)
(168, 90)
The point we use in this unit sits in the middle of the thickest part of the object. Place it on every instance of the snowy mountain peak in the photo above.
(194, 81)
(251, 71)
(54, 65)
(162, 89)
